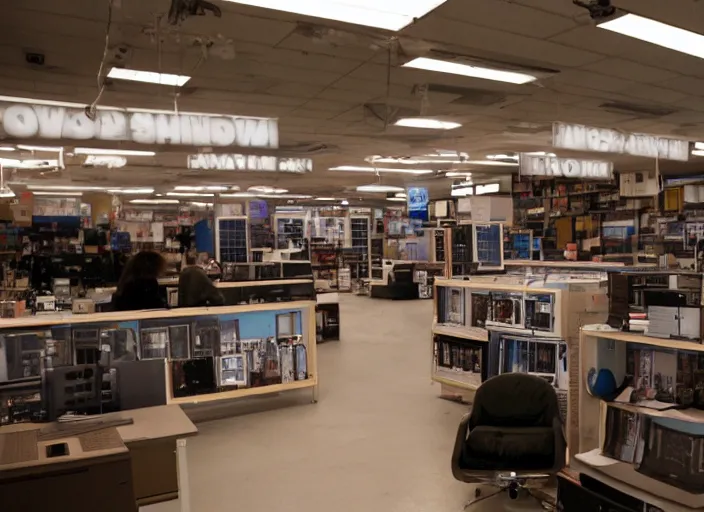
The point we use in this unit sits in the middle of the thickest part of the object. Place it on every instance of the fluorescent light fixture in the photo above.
(699, 145)
(698, 152)
(417, 160)
(428, 123)
(284, 196)
(154, 201)
(10, 162)
(111, 162)
(195, 203)
(186, 188)
(150, 77)
(64, 187)
(541, 153)
(462, 192)
(28, 164)
(325, 199)
(64, 194)
(398, 199)
(658, 33)
(51, 149)
(400, 194)
(501, 156)
(239, 194)
(345, 202)
(6, 193)
(454, 174)
(496, 163)
(379, 188)
(456, 68)
(490, 188)
(263, 189)
(130, 190)
(354, 168)
(112, 152)
(189, 194)
(6, 148)
(385, 15)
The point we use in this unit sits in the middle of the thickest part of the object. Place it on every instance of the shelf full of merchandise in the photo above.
(456, 321)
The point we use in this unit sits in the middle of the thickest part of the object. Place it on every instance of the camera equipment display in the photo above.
(539, 312)
(154, 342)
(460, 359)
(506, 309)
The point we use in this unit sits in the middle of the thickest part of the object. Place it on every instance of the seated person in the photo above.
(138, 287)
(195, 288)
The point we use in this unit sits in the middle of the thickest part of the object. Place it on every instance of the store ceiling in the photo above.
(331, 87)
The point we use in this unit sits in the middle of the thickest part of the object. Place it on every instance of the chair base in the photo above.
(515, 488)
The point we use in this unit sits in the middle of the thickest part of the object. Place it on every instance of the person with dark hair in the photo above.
(195, 288)
(138, 287)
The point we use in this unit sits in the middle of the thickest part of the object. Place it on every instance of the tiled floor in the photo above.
(379, 439)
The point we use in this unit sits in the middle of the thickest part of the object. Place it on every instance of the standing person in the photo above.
(195, 289)
(138, 287)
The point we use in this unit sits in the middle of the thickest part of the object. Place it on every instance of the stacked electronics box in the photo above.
(116, 361)
(490, 325)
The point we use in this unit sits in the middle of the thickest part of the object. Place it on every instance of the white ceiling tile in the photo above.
(630, 70)
(685, 84)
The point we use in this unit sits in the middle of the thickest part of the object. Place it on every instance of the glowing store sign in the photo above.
(586, 138)
(237, 162)
(29, 121)
(566, 167)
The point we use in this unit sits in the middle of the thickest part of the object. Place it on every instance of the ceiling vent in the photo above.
(634, 109)
(528, 128)
(469, 95)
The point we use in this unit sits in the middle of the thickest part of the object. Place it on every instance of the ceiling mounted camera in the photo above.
(598, 9)
(182, 9)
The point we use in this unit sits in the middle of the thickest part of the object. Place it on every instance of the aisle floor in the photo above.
(379, 439)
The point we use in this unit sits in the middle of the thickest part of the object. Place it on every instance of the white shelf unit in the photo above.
(360, 245)
(290, 227)
(459, 304)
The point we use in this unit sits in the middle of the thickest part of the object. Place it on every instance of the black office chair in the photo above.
(513, 437)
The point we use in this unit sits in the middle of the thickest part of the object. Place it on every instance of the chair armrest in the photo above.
(560, 444)
(462, 435)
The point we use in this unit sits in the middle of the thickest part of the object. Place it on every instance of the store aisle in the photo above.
(378, 440)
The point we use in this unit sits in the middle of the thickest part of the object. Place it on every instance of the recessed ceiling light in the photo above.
(385, 15)
(114, 152)
(658, 33)
(428, 123)
(455, 68)
(344, 202)
(379, 188)
(397, 199)
(39, 193)
(188, 188)
(325, 199)
(154, 201)
(50, 149)
(148, 77)
(263, 189)
(454, 174)
(188, 194)
(354, 168)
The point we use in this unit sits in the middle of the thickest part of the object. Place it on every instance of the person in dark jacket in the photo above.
(138, 287)
(195, 289)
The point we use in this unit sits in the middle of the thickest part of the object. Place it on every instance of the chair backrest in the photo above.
(515, 400)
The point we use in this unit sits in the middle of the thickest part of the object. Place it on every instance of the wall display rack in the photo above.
(645, 439)
(290, 229)
(148, 358)
(232, 239)
(513, 324)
